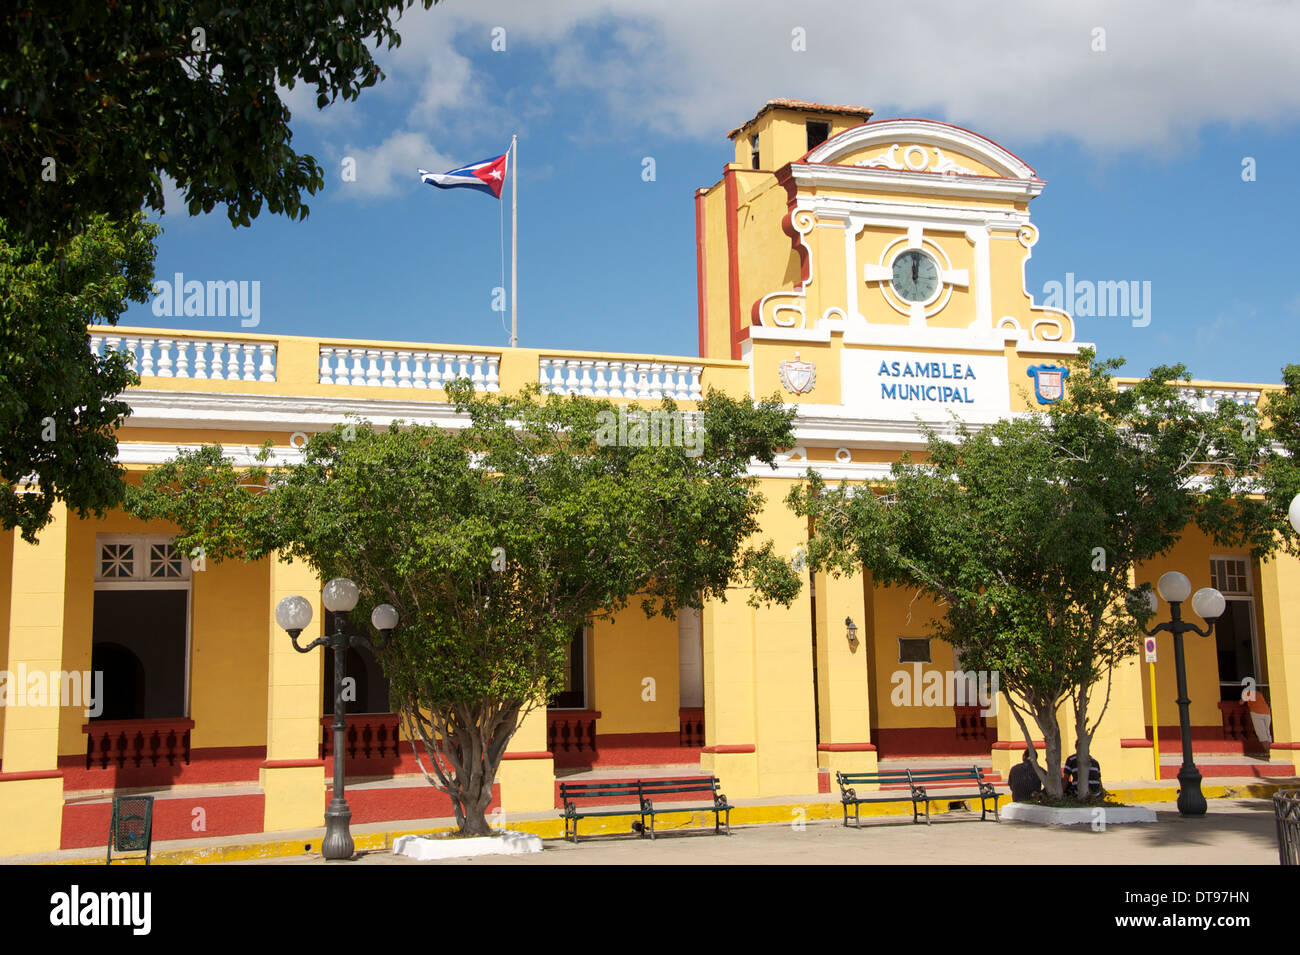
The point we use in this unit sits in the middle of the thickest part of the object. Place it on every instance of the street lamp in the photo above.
(1207, 603)
(1294, 513)
(293, 614)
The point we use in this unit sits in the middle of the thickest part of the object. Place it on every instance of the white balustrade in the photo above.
(406, 368)
(1208, 399)
(159, 356)
(608, 378)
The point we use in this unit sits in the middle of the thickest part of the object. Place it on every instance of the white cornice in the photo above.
(151, 453)
(887, 180)
(219, 410)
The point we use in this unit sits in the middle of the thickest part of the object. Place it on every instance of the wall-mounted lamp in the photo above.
(853, 631)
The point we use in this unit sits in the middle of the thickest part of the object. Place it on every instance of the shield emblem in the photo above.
(798, 377)
(1049, 382)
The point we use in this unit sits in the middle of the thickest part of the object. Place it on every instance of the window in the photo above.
(1229, 576)
(913, 649)
(818, 132)
(123, 558)
(140, 630)
(573, 696)
(753, 151)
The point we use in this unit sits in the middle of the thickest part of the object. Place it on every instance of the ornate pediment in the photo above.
(914, 157)
(921, 146)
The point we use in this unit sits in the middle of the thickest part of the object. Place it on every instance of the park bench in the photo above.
(643, 791)
(917, 781)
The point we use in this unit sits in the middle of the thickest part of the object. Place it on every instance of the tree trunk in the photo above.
(465, 745)
(1083, 745)
(1046, 720)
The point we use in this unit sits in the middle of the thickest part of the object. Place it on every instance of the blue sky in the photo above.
(1141, 142)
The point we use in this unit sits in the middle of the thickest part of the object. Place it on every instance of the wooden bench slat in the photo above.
(917, 781)
(643, 789)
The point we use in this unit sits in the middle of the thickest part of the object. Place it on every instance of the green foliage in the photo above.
(98, 100)
(1280, 474)
(1026, 531)
(105, 96)
(493, 541)
(57, 413)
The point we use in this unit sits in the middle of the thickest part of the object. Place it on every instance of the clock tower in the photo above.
(890, 254)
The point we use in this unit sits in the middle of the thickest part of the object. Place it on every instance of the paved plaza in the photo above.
(1235, 832)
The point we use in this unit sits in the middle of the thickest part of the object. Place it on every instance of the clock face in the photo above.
(916, 276)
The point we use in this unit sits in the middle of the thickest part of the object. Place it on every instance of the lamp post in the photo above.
(1207, 603)
(293, 614)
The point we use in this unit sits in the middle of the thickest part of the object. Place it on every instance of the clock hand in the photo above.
(916, 263)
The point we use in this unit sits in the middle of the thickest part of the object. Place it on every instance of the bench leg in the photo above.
(927, 811)
(857, 814)
(728, 822)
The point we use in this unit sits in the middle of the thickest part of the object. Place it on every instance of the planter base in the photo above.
(1048, 816)
(426, 849)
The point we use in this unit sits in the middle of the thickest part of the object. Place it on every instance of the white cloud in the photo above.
(1021, 70)
(387, 169)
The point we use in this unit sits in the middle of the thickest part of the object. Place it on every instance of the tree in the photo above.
(57, 414)
(1280, 474)
(97, 100)
(494, 542)
(1027, 532)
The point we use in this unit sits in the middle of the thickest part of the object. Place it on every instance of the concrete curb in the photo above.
(784, 813)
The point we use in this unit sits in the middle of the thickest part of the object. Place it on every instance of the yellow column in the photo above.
(843, 690)
(1280, 597)
(293, 776)
(730, 736)
(31, 786)
(527, 771)
(758, 695)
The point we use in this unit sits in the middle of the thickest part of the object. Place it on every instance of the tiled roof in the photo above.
(806, 106)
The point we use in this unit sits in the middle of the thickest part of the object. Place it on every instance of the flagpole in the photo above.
(514, 241)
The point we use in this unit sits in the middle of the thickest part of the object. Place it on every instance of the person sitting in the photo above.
(1071, 777)
(1023, 780)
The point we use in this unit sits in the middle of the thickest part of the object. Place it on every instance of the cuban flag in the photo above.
(486, 176)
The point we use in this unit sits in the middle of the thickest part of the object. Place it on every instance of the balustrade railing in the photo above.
(136, 743)
(1208, 399)
(690, 732)
(211, 359)
(406, 368)
(609, 378)
(368, 736)
(971, 725)
(1238, 727)
(571, 736)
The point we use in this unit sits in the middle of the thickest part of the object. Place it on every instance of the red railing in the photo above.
(368, 736)
(137, 743)
(1238, 727)
(571, 736)
(691, 727)
(971, 726)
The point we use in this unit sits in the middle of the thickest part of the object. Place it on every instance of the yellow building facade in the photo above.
(871, 272)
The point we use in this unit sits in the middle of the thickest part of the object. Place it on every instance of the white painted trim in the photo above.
(897, 214)
(243, 456)
(225, 411)
(821, 334)
(808, 176)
